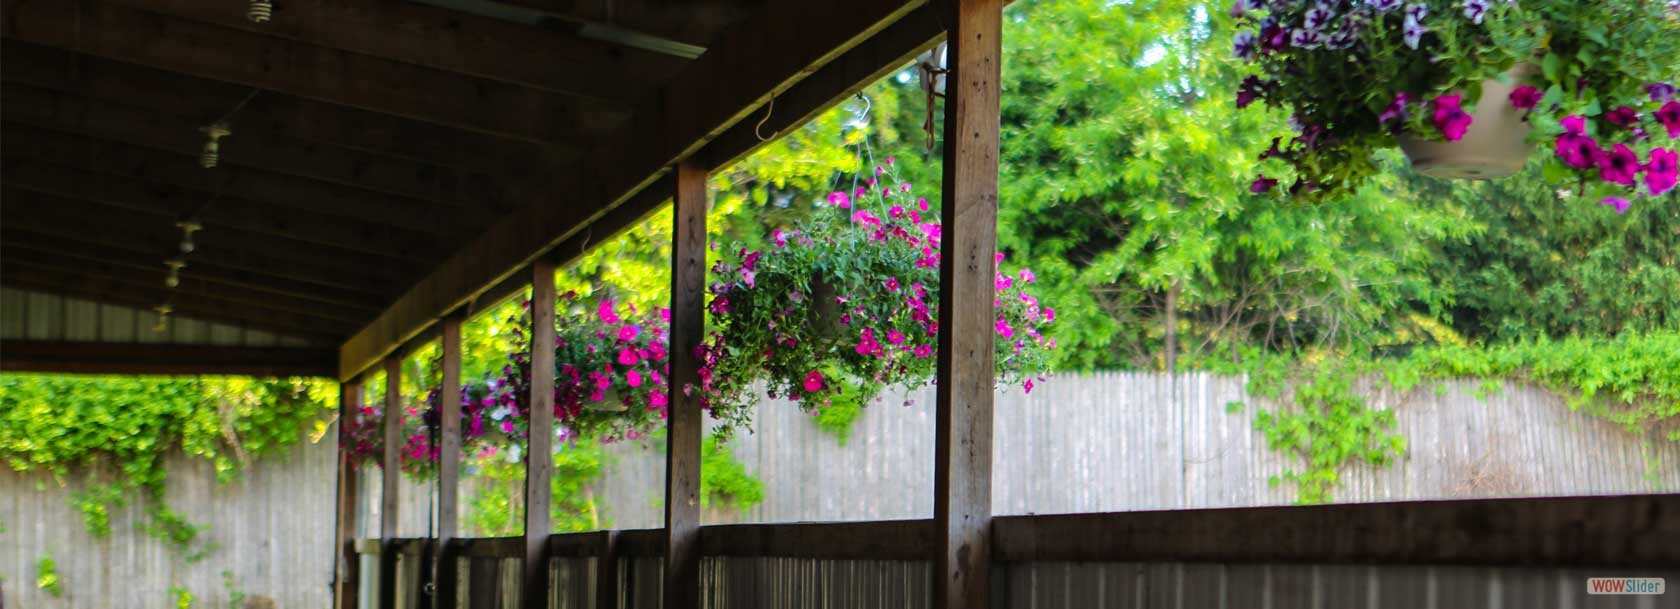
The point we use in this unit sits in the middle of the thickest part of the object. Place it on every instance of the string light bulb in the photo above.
(212, 144)
(188, 227)
(175, 265)
(259, 11)
(163, 312)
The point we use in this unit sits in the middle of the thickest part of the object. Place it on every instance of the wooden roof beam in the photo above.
(280, 153)
(447, 40)
(103, 29)
(206, 101)
(77, 357)
(762, 56)
(689, 24)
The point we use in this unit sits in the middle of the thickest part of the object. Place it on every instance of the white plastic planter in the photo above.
(1495, 146)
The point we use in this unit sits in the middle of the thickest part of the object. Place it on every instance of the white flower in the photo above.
(1475, 10)
(513, 453)
(1244, 47)
(1416, 11)
(1414, 31)
(1383, 6)
(500, 412)
(1303, 38)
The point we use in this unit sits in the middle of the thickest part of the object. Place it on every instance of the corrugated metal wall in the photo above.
(29, 315)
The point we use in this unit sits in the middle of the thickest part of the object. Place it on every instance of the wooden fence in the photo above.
(1100, 442)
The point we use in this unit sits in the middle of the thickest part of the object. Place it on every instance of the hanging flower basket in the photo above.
(846, 304)
(1459, 84)
(1494, 146)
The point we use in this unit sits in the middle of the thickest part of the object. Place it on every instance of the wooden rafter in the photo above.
(308, 71)
(689, 23)
(191, 287)
(161, 358)
(178, 133)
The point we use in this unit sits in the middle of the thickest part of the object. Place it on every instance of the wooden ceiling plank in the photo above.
(211, 270)
(762, 56)
(191, 286)
(330, 75)
(31, 207)
(393, 216)
(694, 23)
(161, 242)
(17, 243)
(165, 359)
(66, 112)
(453, 41)
(209, 100)
(171, 203)
(143, 297)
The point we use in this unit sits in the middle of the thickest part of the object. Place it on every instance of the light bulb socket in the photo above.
(259, 11)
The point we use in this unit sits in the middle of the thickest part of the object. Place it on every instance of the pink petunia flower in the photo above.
(1449, 118)
(1662, 171)
(606, 313)
(628, 357)
(924, 350)
(633, 378)
(839, 199)
(628, 333)
(1620, 165)
(1622, 116)
(1525, 97)
(1003, 329)
(1574, 124)
(895, 337)
(1669, 116)
(1621, 204)
(814, 382)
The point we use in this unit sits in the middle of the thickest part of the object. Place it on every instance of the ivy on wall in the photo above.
(1632, 380)
(127, 425)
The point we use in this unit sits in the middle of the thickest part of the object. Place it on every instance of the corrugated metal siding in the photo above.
(1299, 586)
(31, 315)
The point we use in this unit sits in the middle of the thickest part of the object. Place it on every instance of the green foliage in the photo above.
(236, 595)
(46, 576)
(181, 597)
(1328, 426)
(725, 480)
(838, 416)
(60, 424)
(498, 509)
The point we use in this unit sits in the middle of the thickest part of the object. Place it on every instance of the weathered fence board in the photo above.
(1099, 442)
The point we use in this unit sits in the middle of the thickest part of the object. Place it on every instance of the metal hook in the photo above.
(867, 106)
(771, 108)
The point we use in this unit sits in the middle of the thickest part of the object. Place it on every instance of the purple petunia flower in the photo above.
(1620, 203)
(1669, 116)
(1578, 151)
(1474, 10)
(1660, 91)
(1250, 90)
(1304, 38)
(1451, 119)
(1662, 171)
(1262, 184)
(1413, 32)
(1383, 6)
(1245, 46)
(1242, 7)
(1396, 110)
(1416, 11)
(1317, 18)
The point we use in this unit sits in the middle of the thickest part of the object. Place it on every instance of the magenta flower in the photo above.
(1262, 184)
(1577, 151)
(895, 337)
(628, 357)
(628, 333)
(1003, 329)
(1621, 204)
(1669, 116)
(1049, 315)
(720, 305)
(896, 212)
(891, 284)
(1525, 97)
(1027, 276)
(1449, 118)
(1027, 387)
(1574, 124)
(924, 350)
(814, 382)
(606, 313)
(633, 378)
(1002, 282)
(657, 399)
(1620, 165)
(1622, 116)
(1662, 171)
(839, 199)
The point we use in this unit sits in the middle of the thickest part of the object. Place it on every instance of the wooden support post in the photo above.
(449, 460)
(539, 454)
(963, 445)
(607, 589)
(345, 564)
(388, 500)
(682, 457)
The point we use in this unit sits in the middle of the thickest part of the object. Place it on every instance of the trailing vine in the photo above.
(127, 425)
(1632, 380)
(46, 576)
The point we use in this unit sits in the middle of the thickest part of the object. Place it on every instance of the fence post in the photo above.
(963, 423)
(682, 457)
(539, 454)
